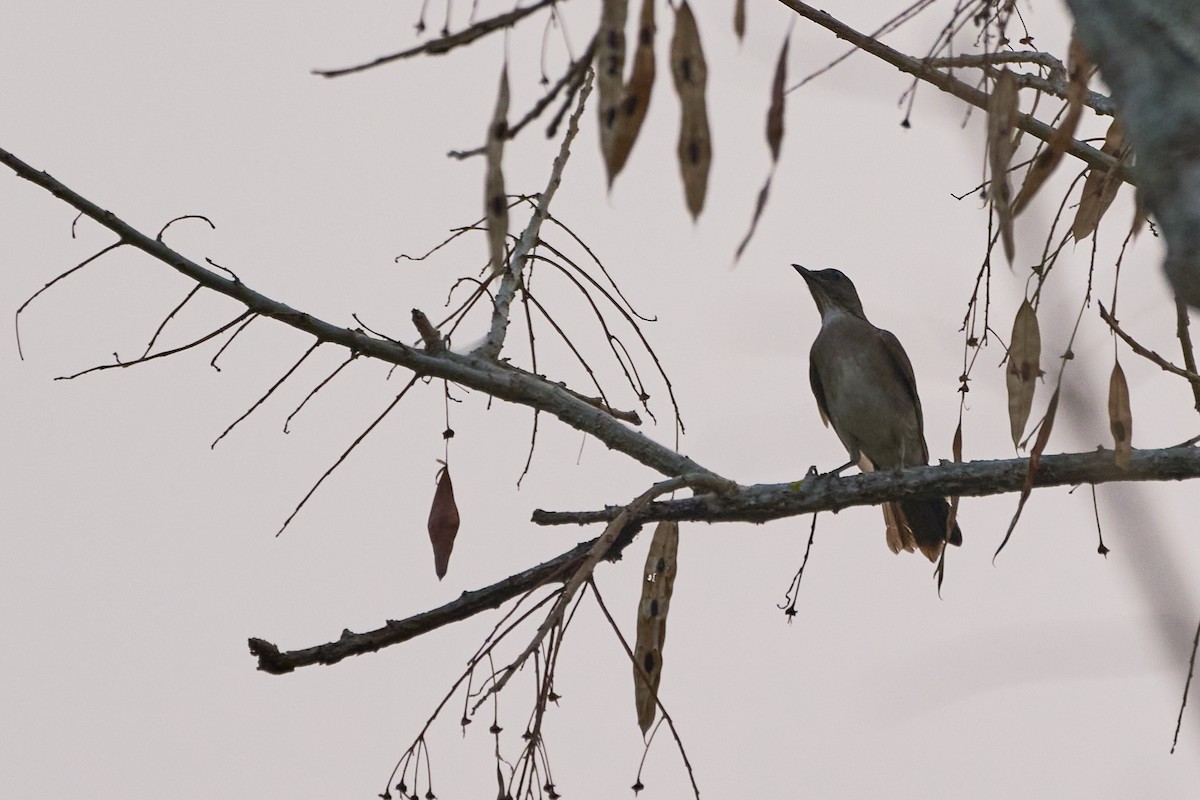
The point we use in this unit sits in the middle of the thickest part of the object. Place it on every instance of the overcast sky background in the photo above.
(136, 561)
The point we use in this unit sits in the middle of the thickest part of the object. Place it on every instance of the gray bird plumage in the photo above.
(866, 390)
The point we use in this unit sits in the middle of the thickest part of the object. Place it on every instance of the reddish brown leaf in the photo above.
(443, 522)
(1002, 123)
(495, 201)
(657, 585)
(1120, 416)
(635, 97)
(1024, 354)
(691, 76)
(1078, 70)
(1100, 188)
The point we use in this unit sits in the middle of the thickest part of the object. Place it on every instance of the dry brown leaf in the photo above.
(494, 200)
(1002, 122)
(443, 522)
(1035, 457)
(635, 97)
(657, 585)
(691, 75)
(1120, 417)
(739, 19)
(1078, 71)
(1100, 188)
(610, 71)
(1024, 354)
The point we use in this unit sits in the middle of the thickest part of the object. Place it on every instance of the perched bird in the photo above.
(866, 390)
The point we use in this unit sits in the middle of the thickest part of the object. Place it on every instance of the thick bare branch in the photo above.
(766, 502)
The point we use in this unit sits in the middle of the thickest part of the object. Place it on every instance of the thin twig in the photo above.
(163, 354)
(34, 296)
(345, 453)
(1147, 353)
(446, 43)
(268, 393)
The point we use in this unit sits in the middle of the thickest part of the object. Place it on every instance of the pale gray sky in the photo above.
(137, 561)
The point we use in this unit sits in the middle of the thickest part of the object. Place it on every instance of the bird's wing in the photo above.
(904, 370)
(818, 390)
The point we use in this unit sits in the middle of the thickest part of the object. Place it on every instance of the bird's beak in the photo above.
(802, 271)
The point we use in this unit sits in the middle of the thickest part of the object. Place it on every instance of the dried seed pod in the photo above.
(495, 208)
(1100, 188)
(443, 522)
(1024, 354)
(610, 70)
(1079, 69)
(657, 585)
(691, 76)
(1120, 417)
(1002, 123)
(635, 97)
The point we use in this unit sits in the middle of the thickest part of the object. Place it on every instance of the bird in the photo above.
(866, 390)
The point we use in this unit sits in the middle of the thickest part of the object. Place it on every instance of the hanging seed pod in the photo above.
(443, 522)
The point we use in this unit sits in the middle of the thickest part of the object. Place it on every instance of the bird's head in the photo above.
(832, 290)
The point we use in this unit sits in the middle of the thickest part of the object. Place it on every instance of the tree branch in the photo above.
(949, 84)
(766, 502)
(499, 380)
(759, 503)
(272, 660)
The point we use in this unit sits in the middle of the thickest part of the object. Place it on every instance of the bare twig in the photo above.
(445, 44)
(34, 296)
(163, 354)
(346, 453)
(269, 392)
(1147, 353)
(1182, 324)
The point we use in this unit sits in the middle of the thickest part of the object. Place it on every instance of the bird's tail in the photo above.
(919, 524)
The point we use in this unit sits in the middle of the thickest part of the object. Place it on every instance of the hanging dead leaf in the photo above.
(1101, 186)
(1035, 457)
(1001, 142)
(443, 522)
(1024, 354)
(635, 97)
(657, 585)
(1120, 417)
(691, 76)
(610, 71)
(739, 19)
(1079, 70)
(494, 199)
